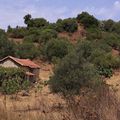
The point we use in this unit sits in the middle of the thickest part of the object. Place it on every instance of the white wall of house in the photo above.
(8, 63)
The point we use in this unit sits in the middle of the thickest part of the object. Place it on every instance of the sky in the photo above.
(13, 11)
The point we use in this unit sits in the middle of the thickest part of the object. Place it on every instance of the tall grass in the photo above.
(88, 106)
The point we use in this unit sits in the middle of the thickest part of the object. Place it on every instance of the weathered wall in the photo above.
(36, 72)
(8, 63)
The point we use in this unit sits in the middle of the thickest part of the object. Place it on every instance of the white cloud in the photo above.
(117, 5)
(14, 14)
(103, 12)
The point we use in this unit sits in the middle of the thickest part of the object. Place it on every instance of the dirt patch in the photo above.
(114, 82)
(73, 37)
(115, 52)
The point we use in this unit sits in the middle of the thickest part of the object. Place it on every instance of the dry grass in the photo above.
(39, 106)
(43, 105)
(114, 83)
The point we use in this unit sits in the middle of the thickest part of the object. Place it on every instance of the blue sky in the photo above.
(12, 11)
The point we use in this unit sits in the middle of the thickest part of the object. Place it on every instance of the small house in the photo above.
(31, 69)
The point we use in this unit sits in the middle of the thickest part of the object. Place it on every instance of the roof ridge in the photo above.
(23, 62)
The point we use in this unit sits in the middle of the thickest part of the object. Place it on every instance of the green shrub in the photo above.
(12, 80)
(57, 48)
(105, 62)
(27, 50)
(87, 20)
(46, 35)
(107, 72)
(25, 84)
(6, 47)
(11, 86)
(112, 40)
(108, 25)
(18, 32)
(93, 34)
(7, 73)
(36, 22)
(72, 74)
(32, 38)
(68, 25)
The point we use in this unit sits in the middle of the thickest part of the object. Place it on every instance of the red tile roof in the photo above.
(22, 62)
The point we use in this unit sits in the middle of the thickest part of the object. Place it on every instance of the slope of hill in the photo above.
(74, 78)
(74, 37)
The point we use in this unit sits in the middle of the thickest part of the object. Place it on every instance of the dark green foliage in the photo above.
(38, 23)
(11, 73)
(83, 68)
(105, 62)
(87, 20)
(18, 32)
(6, 47)
(27, 19)
(73, 73)
(94, 34)
(46, 35)
(11, 86)
(27, 50)
(107, 72)
(35, 31)
(112, 40)
(11, 79)
(31, 38)
(40, 36)
(116, 27)
(85, 48)
(57, 48)
(68, 25)
(108, 25)
(25, 84)
(35, 22)
(9, 29)
(59, 26)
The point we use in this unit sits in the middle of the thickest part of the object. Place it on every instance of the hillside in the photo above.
(79, 61)
(74, 37)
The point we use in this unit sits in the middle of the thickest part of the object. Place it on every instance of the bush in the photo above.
(6, 47)
(57, 48)
(112, 40)
(40, 36)
(116, 28)
(68, 25)
(31, 38)
(107, 72)
(11, 86)
(87, 20)
(13, 80)
(46, 35)
(18, 32)
(72, 74)
(108, 25)
(104, 62)
(25, 84)
(7, 73)
(27, 50)
(94, 34)
(37, 23)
